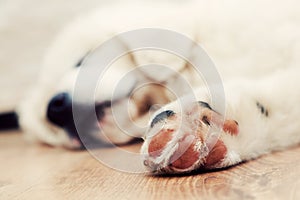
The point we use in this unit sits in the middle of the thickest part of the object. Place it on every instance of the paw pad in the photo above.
(177, 149)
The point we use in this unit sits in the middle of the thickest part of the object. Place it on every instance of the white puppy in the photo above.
(248, 41)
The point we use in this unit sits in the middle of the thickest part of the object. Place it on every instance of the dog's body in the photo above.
(245, 43)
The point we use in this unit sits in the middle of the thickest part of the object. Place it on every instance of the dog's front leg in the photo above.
(256, 121)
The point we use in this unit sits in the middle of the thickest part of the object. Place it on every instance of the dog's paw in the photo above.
(189, 140)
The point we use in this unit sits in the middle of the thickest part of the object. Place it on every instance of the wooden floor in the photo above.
(41, 172)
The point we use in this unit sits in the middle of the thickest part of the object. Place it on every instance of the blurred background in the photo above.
(27, 28)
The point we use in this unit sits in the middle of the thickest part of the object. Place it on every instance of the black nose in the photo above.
(59, 109)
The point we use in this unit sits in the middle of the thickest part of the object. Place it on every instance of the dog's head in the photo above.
(121, 109)
(46, 112)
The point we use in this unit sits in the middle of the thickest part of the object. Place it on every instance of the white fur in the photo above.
(245, 39)
(258, 133)
(261, 134)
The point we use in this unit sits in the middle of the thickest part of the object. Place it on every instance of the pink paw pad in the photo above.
(176, 151)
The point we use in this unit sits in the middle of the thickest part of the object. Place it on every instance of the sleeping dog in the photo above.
(256, 54)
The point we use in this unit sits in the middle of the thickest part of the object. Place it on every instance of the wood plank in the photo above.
(41, 172)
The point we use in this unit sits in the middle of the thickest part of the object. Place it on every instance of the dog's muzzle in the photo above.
(59, 113)
(59, 110)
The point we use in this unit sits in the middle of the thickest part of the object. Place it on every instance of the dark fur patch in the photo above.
(205, 105)
(162, 116)
(101, 107)
(262, 109)
(79, 63)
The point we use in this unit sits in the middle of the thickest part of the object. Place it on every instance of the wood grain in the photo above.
(32, 171)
